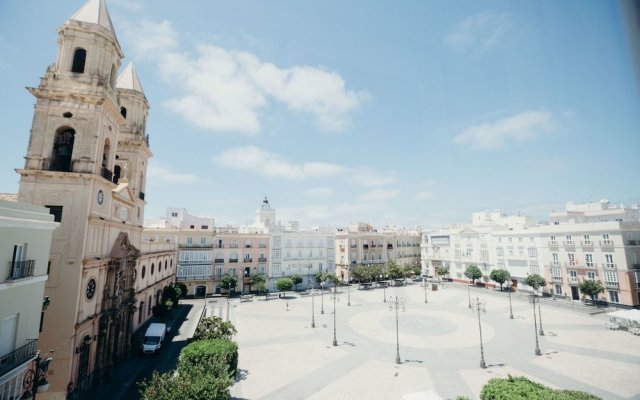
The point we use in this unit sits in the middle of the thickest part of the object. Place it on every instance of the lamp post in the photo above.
(384, 289)
(322, 297)
(397, 303)
(335, 294)
(35, 379)
(424, 282)
(541, 331)
(313, 316)
(469, 292)
(478, 305)
(348, 287)
(535, 324)
(510, 308)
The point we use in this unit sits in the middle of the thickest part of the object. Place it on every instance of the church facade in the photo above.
(86, 162)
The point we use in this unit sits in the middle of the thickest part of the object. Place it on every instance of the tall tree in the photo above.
(473, 272)
(591, 288)
(535, 281)
(259, 281)
(500, 276)
(228, 282)
(442, 270)
(284, 284)
(296, 279)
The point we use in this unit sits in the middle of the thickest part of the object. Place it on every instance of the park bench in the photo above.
(612, 325)
(246, 298)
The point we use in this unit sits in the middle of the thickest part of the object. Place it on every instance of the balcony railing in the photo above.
(195, 246)
(107, 174)
(233, 260)
(219, 260)
(569, 243)
(612, 285)
(573, 280)
(18, 356)
(262, 259)
(389, 246)
(587, 243)
(610, 266)
(219, 245)
(606, 243)
(141, 195)
(248, 259)
(21, 269)
(552, 243)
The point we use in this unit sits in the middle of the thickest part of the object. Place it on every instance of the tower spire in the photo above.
(95, 12)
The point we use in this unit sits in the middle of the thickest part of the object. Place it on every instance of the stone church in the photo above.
(87, 162)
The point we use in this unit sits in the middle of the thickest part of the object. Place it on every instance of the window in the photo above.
(203, 240)
(611, 276)
(587, 239)
(204, 227)
(62, 150)
(189, 241)
(588, 258)
(591, 275)
(174, 214)
(79, 58)
(554, 259)
(123, 112)
(558, 289)
(519, 240)
(608, 258)
(153, 267)
(56, 211)
(192, 227)
(573, 275)
(572, 259)
(276, 254)
(144, 271)
(276, 269)
(533, 252)
(613, 296)
(500, 252)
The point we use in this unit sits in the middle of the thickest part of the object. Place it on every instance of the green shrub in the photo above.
(197, 382)
(521, 388)
(210, 352)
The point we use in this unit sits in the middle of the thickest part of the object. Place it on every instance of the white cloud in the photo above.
(423, 195)
(320, 191)
(368, 177)
(162, 173)
(228, 90)
(379, 195)
(478, 32)
(251, 158)
(148, 39)
(517, 128)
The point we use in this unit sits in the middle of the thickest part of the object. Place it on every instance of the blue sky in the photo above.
(401, 113)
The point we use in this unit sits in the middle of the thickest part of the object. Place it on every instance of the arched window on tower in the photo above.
(62, 150)
(123, 111)
(106, 173)
(79, 58)
(116, 173)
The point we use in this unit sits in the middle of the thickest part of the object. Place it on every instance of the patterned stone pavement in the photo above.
(283, 357)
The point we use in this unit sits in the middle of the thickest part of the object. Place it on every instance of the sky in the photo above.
(406, 113)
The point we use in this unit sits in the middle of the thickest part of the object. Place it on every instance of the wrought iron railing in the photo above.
(18, 356)
(21, 269)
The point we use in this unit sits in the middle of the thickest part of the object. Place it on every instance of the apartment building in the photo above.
(25, 241)
(592, 241)
(362, 244)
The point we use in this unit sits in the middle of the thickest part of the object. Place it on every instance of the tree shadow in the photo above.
(241, 374)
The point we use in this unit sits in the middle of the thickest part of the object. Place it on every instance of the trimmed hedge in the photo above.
(521, 388)
(207, 352)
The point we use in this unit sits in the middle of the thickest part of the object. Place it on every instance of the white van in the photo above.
(153, 338)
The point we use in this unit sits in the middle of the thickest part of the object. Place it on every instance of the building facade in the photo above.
(25, 237)
(593, 241)
(86, 162)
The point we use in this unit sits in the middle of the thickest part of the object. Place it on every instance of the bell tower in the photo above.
(86, 161)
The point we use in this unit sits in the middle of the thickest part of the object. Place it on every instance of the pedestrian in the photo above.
(287, 306)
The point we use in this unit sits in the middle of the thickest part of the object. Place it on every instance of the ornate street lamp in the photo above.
(469, 292)
(397, 303)
(335, 294)
(478, 305)
(35, 379)
(510, 308)
(424, 282)
(541, 331)
(535, 324)
(322, 297)
(313, 316)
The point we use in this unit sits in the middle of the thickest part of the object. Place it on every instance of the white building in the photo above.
(596, 243)
(25, 241)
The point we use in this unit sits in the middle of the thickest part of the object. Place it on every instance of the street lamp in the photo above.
(424, 282)
(35, 379)
(322, 297)
(541, 331)
(478, 305)
(535, 324)
(469, 292)
(397, 303)
(335, 294)
(348, 287)
(510, 308)
(313, 316)
(384, 289)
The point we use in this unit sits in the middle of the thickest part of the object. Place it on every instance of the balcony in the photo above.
(587, 243)
(633, 242)
(19, 356)
(262, 259)
(233, 260)
(557, 279)
(195, 246)
(219, 260)
(606, 243)
(234, 245)
(610, 266)
(573, 280)
(262, 246)
(552, 243)
(141, 195)
(219, 246)
(247, 246)
(248, 259)
(611, 285)
(389, 246)
(634, 266)
(21, 269)
(107, 174)
(569, 243)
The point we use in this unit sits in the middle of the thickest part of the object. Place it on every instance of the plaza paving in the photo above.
(283, 357)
